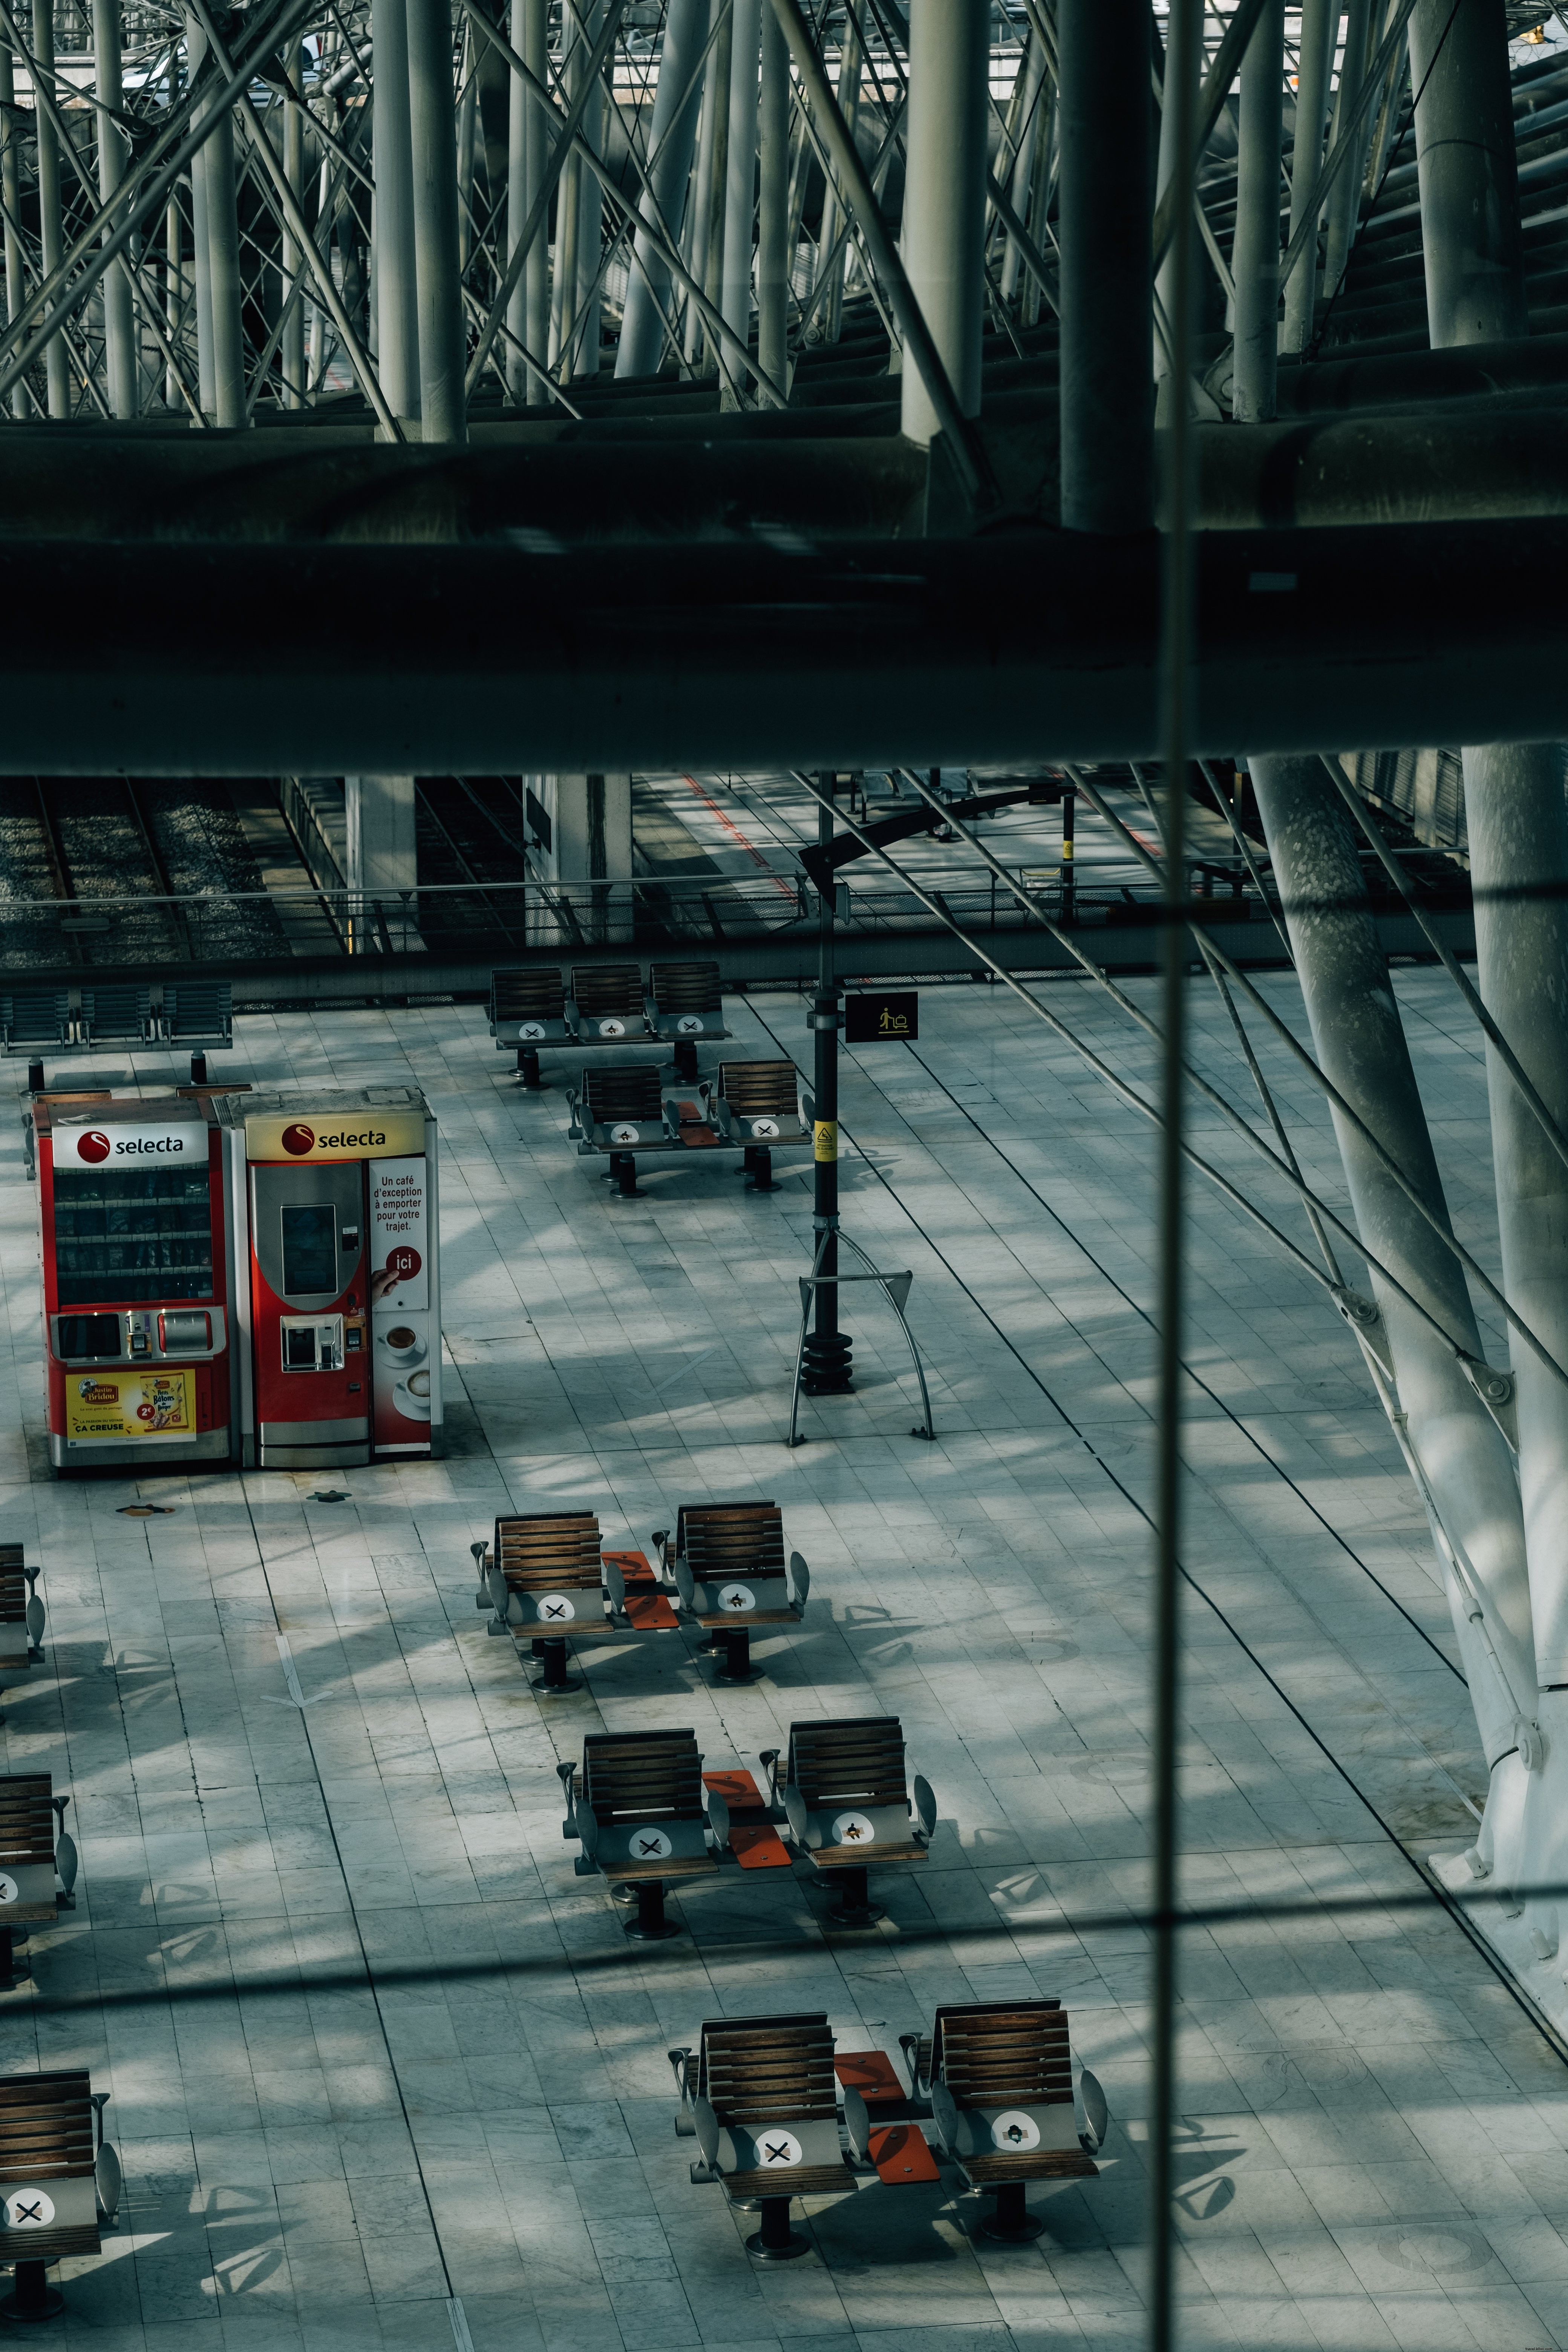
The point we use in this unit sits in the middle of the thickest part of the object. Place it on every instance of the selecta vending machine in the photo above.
(341, 1362)
(137, 1300)
(241, 1279)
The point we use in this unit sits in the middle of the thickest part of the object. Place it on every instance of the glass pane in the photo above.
(132, 1236)
(310, 1250)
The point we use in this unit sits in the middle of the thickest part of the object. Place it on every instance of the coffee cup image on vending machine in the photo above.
(412, 1396)
(401, 1343)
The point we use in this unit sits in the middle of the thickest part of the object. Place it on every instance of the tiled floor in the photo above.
(381, 2049)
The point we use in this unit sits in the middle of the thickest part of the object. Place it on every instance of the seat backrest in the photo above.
(194, 1009)
(35, 1016)
(685, 987)
(116, 1012)
(852, 1760)
(527, 995)
(759, 1089)
(608, 990)
(760, 2070)
(46, 2129)
(643, 1776)
(13, 1587)
(550, 1549)
(725, 1540)
(27, 1818)
(623, 1090)
(1004, 2053)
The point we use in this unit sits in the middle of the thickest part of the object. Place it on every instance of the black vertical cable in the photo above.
(1175, 652)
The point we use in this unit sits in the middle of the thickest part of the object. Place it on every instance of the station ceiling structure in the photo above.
(1164, 403)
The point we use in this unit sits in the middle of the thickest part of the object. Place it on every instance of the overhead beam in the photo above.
(1010, 648)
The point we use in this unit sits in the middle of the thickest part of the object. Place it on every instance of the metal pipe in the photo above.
(1035, 107)
(1320, 29)
(396, 289)
(11, 192)
(1255, 253)
(827, 1352)
(773, 256)
(713, 129)
(741, 168)
(219, 225)
(851, 71)
(293, 342)
(1467, 174)
(51, 223)
(1351, 126)
(120, 366)
(443, 341)
(944, 202)
(676, 107)
(1105, 190)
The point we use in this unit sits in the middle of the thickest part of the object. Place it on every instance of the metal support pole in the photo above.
(851, 65)
(1105, 202)
(587, 301)
(1069, 893)
(1360, 1045)
(293, 344)
(396, 297)
(1034, 110)
(741, 168)
(773, 256)
(712, 130)
(944, 200)
(443, 343)
(217, 230)
(1467, 173)
(119, 314)
(827, 1352)
(1255, 254)
(1319, 26)
(11, 190)
(1344, 197)
(51, 224)
(676, 107)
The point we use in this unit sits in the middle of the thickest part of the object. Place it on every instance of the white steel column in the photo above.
(676, 106)
(11, 190)
(119, 312)
(741, 168)
(1254, 254)
(437, 274)
(51, 218)
(397, 298)
(944, 197)
(1319, 26)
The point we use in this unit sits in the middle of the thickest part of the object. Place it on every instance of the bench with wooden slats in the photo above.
(729, 1565)
(639, 1810)
(16, 1643)
(759, 1103)
(847, 1793)
(543, 1575)
(685, 1000)
(26, 1849)
(49, 2191)
(771, 2089)
(528, 1007)
(605, 1005)
(619, 1107)
(1002, 2092)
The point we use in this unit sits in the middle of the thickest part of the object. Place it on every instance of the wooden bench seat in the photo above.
(639, 1810)
(26, 1852)
(605, 1005)
(762, 2099)
(543, 1573)
(847, 1797)
(528, 1007)
(18, 1639)
(685, 1000)
(48, 2168)
(728, 1563)
(1002, 2097)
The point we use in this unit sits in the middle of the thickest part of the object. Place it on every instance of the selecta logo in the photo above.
(92, 1145)
(299, 1139)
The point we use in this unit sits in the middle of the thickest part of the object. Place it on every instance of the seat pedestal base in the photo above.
(853, 1906)
(735, 1651)
(555, 1680)
(1012, 2223)
(650, 1925)
(775, 2242)
(33, 2299)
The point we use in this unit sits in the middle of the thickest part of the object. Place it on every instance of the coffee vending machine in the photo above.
(338, 1308)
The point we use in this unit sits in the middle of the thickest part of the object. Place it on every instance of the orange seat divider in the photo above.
(900, 2155)
(633, 1565)
(869, 2072)
(757, 1846)
(737, 1788)
(651, 1612)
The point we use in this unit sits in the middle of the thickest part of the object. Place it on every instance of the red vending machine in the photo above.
(341, 1347)
(136, 1259)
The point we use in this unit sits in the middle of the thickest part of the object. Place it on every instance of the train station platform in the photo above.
(385, 2072)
